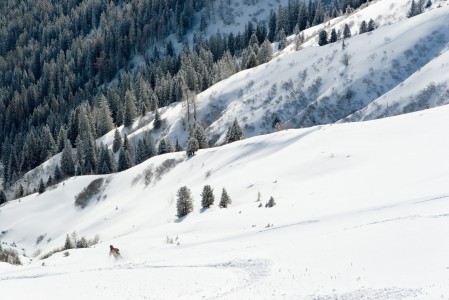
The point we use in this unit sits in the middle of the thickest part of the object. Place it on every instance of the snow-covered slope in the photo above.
(362, 211)
(395, 69)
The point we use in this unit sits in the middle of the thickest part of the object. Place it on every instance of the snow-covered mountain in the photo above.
(361, 211)
(361, 207)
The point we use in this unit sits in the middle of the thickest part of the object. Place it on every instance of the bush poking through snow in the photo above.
(9, 256)
(83, 198)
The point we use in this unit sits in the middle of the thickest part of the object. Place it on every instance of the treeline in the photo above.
(67, 75)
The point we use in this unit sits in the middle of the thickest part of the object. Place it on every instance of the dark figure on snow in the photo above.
(114, 251)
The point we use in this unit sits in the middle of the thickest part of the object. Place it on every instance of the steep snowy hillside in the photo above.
(362, 211)
(327, 84)
(400, 67)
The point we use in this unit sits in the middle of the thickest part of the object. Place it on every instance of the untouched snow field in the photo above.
(362, 213)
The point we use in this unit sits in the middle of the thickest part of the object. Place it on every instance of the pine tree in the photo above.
(322, 38)
(124, 160)
(346, 31)
(130, 109)
(3, 198)
(192, 147)
(184, 203)
(207, 196)
(178, 147)
(157, 119)
(270, 203)
(68, 243)
(333, 38)
(117, 141)
(371, 25)
(266, 52)
(200, 135)
(363, 27)
(225, 199)
(41, 187)
(164, 147)
(234, 133)
(67, 163)
(105, 123)
(20, 191)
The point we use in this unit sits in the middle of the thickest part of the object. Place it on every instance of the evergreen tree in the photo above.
(2, 197)
(184, 203)
(157, 119)
(130, 109)
(105, 123)
(41, 187)
(322, 38)
(234, 133)
(333, 38)
(68, 243)
(272, 27)
(124, 160)
(67, 163)
(270, 203)
(282, 39)
(371, 25)
(20, 191)
(178, 147)
(62, 137)
(192, 147)
(164, 147)
(207, 196)
(57, 173)
(346, 31)
(363, 27)
(266, 52)
(117, 141)
(225, 199)
(199, 134)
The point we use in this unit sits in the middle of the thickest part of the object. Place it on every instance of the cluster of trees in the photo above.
(184, 202)
(67, 71)
(417, 7)
(324, 38)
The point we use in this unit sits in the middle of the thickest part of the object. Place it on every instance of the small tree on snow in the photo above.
(271, 202)
(41, 187)
(234, 133)
(2, 197)
(207, 196)
(68, 243)
(225, 199)
(184, 203)
(192, 147)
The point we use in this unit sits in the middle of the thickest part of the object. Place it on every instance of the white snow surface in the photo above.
(362, 212)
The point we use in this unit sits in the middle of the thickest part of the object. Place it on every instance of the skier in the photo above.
(114, 251)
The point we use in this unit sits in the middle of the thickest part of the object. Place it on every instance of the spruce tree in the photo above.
(68, 243)
(117, 141)
(184, 203)
(225, 199)
(363, 27)
(200, 135)
(157, 119)
(271, 202)
(105, 123)
(322, 38)
(130, 108)
(67, 163)
(207, 196)
(2, 197)
(178, 147)
(333, 38)
(124, 160)
(57, 173)
(346, 31)
(234, 133)
(192, 147)
(371, 25)
(164, 147)
(41, 187)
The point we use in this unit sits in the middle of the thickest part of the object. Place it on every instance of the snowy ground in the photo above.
(362, 212)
